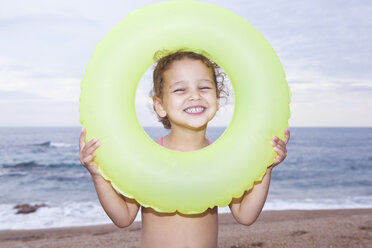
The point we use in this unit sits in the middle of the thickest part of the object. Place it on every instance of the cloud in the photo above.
(331, 108)
(326, 38)
(324, 46)
(26, 109)
(27, 79)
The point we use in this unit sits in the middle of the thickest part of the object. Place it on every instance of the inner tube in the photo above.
(167, 180)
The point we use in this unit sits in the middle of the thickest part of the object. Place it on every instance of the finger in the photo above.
(89, 147)
(280, 152)
(82, 138)
(287, 135)
(276, 141)
(88, 158)
(92, 148)
(91, 142)
(280, 144)
(276, 160)
(81, 158)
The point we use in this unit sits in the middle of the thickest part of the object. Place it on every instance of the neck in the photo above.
(185, 140)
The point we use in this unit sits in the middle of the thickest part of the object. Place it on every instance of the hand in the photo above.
(280, 147)
(86, 154)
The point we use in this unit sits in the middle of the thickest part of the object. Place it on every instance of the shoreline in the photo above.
(273, 228)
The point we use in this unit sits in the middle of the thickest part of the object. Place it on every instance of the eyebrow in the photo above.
(205, 80)
(178, 82)
(182, 81)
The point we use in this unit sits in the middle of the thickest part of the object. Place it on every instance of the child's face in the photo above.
(189, 95)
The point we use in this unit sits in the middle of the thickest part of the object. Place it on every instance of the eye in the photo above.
(205, 88)
(180, 89)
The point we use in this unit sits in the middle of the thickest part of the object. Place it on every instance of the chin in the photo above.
(195, 124)
(198, 127)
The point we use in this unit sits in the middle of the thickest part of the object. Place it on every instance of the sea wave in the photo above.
(33, 164)
(91, 213)
(22, 165)
(54, 144)
(27, 172)
(59, 144)
(319, 203)
(67, 214)
(35, 171)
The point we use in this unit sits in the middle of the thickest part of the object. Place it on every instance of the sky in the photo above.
(325, 48)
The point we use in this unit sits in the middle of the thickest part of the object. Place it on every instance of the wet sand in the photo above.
(293, 228)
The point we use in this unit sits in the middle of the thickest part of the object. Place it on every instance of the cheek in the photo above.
(212, 98)
(174, 101)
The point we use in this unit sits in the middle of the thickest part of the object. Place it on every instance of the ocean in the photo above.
(325, 168)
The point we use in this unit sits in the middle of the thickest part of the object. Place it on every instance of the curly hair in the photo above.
(165, 59)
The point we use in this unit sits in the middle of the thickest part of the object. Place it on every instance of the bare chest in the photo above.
(177, 230)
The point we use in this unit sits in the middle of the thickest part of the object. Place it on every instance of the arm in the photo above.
(247, 208)
(121, 210)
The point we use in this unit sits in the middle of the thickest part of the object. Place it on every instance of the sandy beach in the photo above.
(293, 228)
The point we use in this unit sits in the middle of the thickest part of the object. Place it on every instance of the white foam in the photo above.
(319, 203)
(91, 213)
(69, 214)
(60, 145)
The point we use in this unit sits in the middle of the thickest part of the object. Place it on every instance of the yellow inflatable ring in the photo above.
(166, 180)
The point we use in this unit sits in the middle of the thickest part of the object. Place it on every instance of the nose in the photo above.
(195, 94)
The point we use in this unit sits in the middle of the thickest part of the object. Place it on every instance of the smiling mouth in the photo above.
(195, 110)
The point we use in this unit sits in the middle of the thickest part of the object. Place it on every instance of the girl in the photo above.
(185, 97)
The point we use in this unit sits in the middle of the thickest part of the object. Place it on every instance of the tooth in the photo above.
(194, 110)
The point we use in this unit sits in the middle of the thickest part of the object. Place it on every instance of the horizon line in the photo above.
(68, 126)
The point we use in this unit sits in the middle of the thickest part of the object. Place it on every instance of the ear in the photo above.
(159, 107)
(218, 93)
